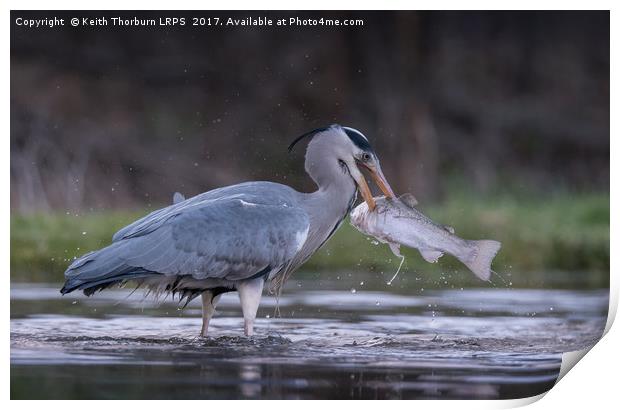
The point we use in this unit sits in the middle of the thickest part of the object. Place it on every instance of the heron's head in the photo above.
(350, 150)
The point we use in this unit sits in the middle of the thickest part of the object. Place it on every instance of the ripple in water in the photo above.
(480, 343)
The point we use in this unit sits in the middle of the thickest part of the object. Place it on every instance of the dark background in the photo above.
(109, 117)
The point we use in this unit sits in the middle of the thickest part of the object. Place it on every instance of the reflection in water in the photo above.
(250, 377)
(492, 343)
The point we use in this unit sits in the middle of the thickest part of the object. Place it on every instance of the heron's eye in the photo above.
(366, 157)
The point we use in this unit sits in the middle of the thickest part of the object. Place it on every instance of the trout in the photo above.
(397, 222)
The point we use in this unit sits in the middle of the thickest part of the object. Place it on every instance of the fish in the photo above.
(397, 222)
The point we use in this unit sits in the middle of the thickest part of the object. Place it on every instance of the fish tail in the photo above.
(480, 260)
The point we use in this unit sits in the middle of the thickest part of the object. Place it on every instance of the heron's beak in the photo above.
(379, 178)
(366, 194)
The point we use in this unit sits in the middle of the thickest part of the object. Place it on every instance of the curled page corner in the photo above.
(515, 403)
(613, 308)
(569, 360)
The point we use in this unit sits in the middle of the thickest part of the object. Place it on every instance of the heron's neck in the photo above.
(334, 195)
(326, 171)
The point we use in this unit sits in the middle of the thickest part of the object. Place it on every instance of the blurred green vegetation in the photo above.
(560, 240)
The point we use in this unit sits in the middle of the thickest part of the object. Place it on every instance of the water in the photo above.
(472, 343)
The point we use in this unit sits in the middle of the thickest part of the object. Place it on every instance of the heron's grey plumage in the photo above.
(231, 233)
(217, 241)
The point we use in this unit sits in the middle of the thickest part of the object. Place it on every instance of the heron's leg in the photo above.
(208, 309)
(250, 292)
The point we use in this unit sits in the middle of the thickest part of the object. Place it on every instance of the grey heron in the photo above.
(238, 237)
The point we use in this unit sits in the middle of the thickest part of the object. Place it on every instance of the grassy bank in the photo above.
(540, 236)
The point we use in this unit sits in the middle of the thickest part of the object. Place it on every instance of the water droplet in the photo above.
(74, 302)
(377, 303)
(353, 290)
(374, 242)
(551, 309)
(84, 233)
(267, 316)
(362, 283)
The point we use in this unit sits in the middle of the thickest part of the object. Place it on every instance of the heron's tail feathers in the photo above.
(99, 270)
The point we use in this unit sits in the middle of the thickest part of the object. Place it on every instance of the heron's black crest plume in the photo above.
(358, 139)
(308, 134)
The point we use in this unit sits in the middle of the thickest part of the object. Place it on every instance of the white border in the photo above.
(593, 383)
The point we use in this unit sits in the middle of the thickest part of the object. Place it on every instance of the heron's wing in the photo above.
(233, 237)
(262, 192)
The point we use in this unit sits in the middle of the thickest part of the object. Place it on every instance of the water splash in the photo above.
(501, 278)
(496, 340)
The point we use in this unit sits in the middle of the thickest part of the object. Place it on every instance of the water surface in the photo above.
(368, 342)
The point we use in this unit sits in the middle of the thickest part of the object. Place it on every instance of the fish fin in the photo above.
(480, 262)
(408, 199)
(449, 229)
(395, 248)
(177, 197)
(431, 255)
